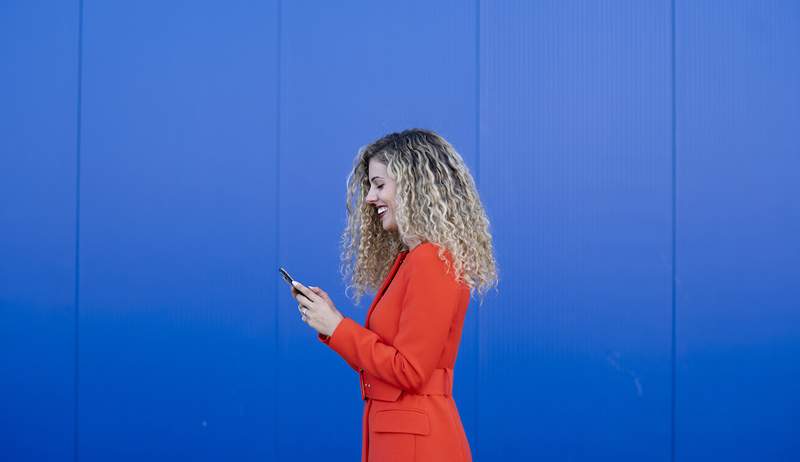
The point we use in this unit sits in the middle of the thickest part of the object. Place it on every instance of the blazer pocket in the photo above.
(401, 421)
(394, 433)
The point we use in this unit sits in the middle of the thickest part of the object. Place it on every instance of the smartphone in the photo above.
(286, 276)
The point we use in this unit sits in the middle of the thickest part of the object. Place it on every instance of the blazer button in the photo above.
(369, 386)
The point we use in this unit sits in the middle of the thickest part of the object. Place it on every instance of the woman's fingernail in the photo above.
(294, 283)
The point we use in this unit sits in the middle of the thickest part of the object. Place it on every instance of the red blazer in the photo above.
(405, 354)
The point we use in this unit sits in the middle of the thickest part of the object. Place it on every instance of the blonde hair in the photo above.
(436, 201)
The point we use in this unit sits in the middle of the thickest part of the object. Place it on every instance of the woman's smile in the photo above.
(381, 194)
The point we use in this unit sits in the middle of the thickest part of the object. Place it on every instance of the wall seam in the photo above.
(276, 254)
(478, 181)
(674, 234)
(76, 293)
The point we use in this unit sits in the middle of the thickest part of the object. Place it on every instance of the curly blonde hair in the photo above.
(436, 201)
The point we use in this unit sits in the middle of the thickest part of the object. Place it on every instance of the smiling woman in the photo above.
(429, 195)
(418, 235)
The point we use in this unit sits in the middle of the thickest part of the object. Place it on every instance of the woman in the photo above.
(417, 233)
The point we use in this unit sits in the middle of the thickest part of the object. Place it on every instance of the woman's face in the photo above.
(381, 194)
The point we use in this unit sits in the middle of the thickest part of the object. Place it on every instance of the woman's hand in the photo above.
(316, 308)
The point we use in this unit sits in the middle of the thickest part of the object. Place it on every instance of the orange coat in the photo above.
(405, 354)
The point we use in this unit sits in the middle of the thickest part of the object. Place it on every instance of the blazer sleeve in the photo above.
(428, 308)
(326, 339)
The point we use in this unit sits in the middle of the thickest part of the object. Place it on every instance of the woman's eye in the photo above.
(380, 187)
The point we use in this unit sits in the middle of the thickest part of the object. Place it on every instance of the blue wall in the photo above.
(638, 161)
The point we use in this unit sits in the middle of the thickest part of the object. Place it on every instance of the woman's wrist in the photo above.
(341, 318)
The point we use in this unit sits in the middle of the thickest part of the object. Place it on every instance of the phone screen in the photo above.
(286, 276)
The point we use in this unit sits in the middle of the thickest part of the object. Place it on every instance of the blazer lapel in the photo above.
(395, 266)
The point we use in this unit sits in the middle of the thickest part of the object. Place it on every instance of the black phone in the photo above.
(286, 276)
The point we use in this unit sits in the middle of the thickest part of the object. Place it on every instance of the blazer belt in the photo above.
(440, 383)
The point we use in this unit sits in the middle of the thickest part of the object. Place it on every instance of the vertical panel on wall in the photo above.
(352, 72)
(576, 168)
(177, 231)
(738, 252)
(38, 96)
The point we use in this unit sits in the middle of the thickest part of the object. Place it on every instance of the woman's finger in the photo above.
(296, 294)
(321, 293)
(305, 291)
(302, 298)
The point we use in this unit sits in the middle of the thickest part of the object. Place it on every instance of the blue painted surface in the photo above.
(575, 170)
(625, 151)
(177, 343)
(738, 252)
(38, 95)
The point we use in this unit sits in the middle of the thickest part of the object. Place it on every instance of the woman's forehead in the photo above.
(376, 167)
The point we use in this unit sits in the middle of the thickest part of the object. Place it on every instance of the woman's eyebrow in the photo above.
(373, 178)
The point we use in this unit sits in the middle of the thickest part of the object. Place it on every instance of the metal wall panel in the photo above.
(738, 222)
(350, 73)
(177, 219)
(38, 95)
(575, 166)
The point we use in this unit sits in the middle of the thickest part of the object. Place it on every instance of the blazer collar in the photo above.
(395, 266)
